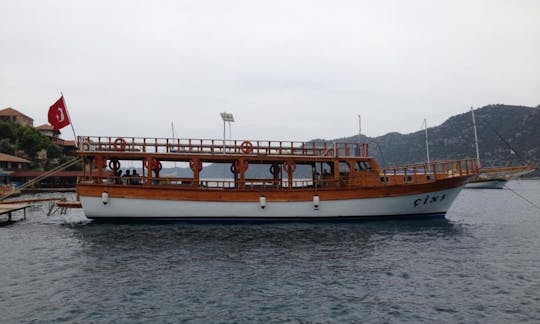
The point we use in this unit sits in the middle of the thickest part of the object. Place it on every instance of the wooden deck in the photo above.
(8, 209)
(138, 145)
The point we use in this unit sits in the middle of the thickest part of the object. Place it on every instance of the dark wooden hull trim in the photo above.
(263, 219)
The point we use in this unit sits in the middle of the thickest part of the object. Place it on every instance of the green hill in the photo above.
(507, 136)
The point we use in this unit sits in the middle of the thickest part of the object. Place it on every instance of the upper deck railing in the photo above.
(216, 146)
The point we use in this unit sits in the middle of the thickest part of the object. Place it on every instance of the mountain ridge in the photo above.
(507, 135)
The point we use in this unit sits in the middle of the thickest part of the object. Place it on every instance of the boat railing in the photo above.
(217, 146)
(399, 175)
(433, 170)
(202, 184)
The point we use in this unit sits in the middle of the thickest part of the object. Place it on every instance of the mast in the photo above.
(427, 141)
(359, 133)
(70, 121)
(174, 139)
(475, 139)
(359, 128)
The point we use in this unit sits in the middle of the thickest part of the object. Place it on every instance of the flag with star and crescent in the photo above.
(58, 115)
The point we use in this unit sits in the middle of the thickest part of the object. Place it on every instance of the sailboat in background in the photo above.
(494, 177)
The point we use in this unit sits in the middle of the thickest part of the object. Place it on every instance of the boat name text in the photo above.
(429, 200)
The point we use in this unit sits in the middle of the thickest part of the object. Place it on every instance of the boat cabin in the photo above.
(209, 164)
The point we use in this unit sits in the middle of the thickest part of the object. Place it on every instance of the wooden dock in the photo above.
(64, 206)
(69, 204)
(8, 209)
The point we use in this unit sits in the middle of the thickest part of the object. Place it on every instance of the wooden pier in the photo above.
(64, 206)
(9, 209)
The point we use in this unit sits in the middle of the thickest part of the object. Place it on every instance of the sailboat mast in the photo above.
(174, 139)
(427, 141)
(475, 139)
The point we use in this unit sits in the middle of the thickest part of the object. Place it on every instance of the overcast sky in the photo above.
(293, 69)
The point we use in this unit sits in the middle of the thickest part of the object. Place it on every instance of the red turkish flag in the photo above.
(58, 116)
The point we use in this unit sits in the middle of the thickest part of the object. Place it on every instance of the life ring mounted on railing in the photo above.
(195, 165)
(119, 144)
(289, 166)
(114, 164)
(238, 166)
(154, 165)
(246, 147)
(275, 170)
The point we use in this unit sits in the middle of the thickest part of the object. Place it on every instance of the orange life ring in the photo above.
(154, 164)
(236, 167)
(195, 165)
(246, 147)
(120, 144)
(289, 166)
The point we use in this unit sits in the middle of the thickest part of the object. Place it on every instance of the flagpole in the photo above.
(70, 121)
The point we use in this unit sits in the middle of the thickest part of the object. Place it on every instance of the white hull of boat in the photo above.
(417, 205)
(486, 184)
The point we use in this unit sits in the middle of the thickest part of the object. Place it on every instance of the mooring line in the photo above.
(520, 196)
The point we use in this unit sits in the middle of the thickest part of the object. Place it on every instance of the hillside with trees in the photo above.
(507, 136)
(27, 142)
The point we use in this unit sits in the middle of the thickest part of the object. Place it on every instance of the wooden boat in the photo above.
(493, 177)
(269, 180)
(496, 177)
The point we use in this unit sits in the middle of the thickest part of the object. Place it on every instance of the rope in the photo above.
(504, 141)
(380, 151)
(43, 176)
(520, 196)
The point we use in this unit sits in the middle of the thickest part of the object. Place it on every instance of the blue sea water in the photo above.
(479, 265)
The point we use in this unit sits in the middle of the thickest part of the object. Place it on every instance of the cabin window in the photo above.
(362, 166)
(384, 179)
(327, 168)
(407, 178)
(344, 168)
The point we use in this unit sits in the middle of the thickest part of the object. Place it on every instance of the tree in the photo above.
(53, 151)
(32, 141)
(7, 146)
(8, 131)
